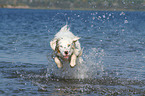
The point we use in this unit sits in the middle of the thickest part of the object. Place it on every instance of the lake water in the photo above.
(113, 57)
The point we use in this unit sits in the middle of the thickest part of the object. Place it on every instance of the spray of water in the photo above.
(89, 66)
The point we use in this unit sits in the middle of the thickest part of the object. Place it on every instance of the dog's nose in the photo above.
(66, 52)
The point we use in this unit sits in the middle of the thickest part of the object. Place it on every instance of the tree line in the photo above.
(77, 4)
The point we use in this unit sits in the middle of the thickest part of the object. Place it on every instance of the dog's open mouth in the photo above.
(66, 56)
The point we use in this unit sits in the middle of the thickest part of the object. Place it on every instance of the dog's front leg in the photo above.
(58, 62)
(73, 60)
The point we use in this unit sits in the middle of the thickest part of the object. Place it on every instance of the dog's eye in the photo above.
(68, 45)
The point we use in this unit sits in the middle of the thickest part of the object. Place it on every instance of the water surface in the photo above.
(114, 54)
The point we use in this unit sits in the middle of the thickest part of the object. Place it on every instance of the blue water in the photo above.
(113, 57)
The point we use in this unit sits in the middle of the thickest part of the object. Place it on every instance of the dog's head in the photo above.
(64, 46)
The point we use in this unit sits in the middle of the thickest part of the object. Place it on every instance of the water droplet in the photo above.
(92, 25)
(122, 13)
(123, 30)
(93, 18)
(125, 21)
(104, 16)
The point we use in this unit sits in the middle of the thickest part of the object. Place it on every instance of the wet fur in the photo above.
(64, 41)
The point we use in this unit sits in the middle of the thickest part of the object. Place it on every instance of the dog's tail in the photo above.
(65, 28)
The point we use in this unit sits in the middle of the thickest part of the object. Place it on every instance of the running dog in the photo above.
(66, 47)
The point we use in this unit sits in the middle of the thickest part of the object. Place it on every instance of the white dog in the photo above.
(66, 47)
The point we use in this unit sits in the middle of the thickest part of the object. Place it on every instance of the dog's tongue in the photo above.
(66, 56)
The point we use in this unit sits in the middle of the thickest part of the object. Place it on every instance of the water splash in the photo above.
(91, 66)
(94, 62)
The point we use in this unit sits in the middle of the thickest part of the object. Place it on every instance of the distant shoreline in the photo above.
(87, 9)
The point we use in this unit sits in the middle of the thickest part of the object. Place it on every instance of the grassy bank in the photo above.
(54, 8)
(113, 5)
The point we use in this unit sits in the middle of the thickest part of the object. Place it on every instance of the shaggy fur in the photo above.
(66, 47)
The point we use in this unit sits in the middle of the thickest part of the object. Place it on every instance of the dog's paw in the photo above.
(58, 62)
(73, 61)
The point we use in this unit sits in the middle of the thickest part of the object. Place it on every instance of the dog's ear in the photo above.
(53, 43)
(75, 39)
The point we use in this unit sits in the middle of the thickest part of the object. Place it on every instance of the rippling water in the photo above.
(113, 57)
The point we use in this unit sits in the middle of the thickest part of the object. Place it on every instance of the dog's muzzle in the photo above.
(66, 55)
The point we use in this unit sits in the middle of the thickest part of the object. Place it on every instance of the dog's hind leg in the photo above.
(58, 62)
(73, 60)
